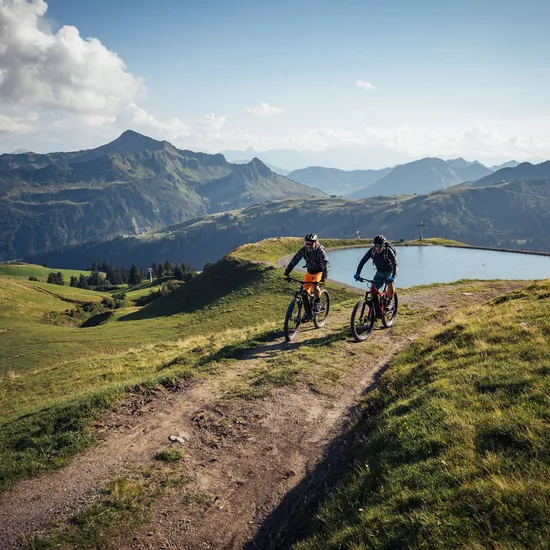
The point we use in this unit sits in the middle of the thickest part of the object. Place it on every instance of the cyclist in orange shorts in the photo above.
(317, 265)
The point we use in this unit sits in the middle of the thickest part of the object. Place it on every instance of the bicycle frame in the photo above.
(304, 296)
(376, 296)
(370, 308)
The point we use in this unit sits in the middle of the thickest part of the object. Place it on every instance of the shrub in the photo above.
(169, 455)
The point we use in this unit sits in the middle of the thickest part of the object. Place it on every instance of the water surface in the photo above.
(422, 265)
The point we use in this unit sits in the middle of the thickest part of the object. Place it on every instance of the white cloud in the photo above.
(138, 119)
(12, 124)
(212, 122)
(398, 138)
(76, 85)
(364, 85)
(40, 68)
(61, 91)
(481, 142)
(264, 110)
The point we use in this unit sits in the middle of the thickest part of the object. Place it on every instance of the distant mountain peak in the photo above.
(258, 168)
(257, 162)
(133, 139)
(129, 142)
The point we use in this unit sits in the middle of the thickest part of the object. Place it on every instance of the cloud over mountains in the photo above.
(60, 90)
(264, 110)
(41, 68)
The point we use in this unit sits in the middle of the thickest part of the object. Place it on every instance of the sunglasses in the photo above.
(378, 246)
(309, 244)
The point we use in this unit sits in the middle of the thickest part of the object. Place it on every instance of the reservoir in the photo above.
(423, 265)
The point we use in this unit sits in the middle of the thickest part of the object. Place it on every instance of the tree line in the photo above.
(104, 276)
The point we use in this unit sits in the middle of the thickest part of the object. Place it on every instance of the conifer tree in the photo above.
(178, 273)
(134, 278)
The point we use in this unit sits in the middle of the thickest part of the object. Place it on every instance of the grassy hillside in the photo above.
(56, 379)
(453, 448)
(23, 270)
(524, 171)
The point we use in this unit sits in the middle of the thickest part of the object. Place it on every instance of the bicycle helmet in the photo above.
(379, 239)
(311, 237)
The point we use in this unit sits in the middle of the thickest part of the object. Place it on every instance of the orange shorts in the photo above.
(311, 278)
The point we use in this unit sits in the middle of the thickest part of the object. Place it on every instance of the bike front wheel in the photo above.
(363, 318)
(293, 319)
(390, 312)
(320, 319)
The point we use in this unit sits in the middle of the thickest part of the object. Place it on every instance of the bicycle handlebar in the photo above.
(371, 281)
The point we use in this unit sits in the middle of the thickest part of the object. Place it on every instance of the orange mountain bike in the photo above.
(375, 305)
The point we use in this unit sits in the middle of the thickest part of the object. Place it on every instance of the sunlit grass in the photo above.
(456, 440)
(22, 270)
(55, 379)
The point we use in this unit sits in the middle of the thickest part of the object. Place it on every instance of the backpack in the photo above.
(389, 245)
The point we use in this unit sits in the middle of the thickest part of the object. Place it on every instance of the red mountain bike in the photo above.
(375, 305)
(300, 310)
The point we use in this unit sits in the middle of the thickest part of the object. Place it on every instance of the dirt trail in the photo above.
(253, 458)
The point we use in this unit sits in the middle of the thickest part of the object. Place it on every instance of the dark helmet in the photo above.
(311, 237)
(379, 239)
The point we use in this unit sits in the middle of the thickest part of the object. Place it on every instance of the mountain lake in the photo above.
(423, 265)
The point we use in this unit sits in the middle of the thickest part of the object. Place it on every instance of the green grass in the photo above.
(453, 448)
(69, 293)
(438, 242)
(23, 270)
(169, 455)
(54, 380)
(270, 250)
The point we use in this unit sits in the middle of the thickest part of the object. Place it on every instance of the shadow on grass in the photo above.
(272, 348)
(295, 517)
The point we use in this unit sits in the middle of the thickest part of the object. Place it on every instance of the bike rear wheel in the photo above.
(320, 319)
(390, 312)
(363, 318)
(293, 318)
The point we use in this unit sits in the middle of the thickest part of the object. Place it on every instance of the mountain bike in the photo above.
(375, 305)
(301, 311)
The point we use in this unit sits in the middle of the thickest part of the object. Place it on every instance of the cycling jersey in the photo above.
(385, 260)
(316, 260)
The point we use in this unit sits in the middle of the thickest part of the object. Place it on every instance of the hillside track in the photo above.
(252, 464)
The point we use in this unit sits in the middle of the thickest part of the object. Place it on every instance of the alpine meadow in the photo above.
(210, 218)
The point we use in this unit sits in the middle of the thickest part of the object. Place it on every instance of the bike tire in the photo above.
(363, 318)
(293, 318)
(388, 319)
(320, 319)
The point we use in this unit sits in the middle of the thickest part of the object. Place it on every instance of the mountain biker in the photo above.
(384, 258)
(317, 265)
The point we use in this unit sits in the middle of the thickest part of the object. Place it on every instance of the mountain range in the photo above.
(337, 182)
(420, 176)
(523, 171)
(346, 158)
(513, 214)
(134, 182)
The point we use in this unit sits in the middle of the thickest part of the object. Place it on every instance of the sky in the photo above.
(363, 84)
